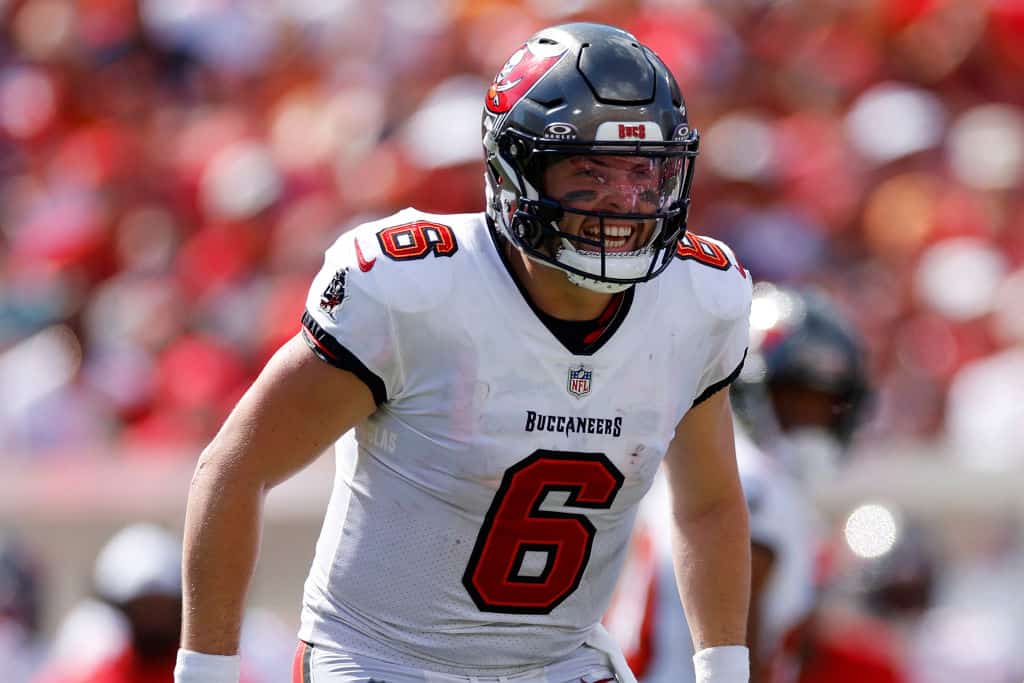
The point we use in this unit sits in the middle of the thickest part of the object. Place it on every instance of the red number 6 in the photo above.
(515, 525)
(411, 241)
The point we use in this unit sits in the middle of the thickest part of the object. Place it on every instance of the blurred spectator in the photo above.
(168, 172)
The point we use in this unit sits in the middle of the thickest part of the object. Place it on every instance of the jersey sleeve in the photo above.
(726, 295)
(350, 325)
(725, 364)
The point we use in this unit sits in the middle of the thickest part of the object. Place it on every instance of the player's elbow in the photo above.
(726, 512)
(222, 467)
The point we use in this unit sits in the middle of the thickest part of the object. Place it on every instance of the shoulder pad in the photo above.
(721, 285)
(404, 260)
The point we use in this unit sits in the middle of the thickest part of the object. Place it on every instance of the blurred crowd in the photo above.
(171, 172)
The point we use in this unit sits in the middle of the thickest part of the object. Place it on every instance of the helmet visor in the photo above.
(611, 202)
(610, 211)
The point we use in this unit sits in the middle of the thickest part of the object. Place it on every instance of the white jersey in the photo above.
(782, 518)
(481, 515)
(646, 614)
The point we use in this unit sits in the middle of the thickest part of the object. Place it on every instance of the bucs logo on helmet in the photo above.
(520, 73)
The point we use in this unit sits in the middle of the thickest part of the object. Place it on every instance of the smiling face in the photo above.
(610, 184)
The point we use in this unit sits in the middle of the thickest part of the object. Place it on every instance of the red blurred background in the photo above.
(172, 170)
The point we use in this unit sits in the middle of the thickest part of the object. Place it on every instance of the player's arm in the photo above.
(711, 537)
(294, 410)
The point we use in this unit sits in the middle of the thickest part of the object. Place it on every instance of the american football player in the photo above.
(505, 385)
(801, 394)
(137, 578)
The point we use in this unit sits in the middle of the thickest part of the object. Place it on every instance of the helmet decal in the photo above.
(520, 73)
(560, 131)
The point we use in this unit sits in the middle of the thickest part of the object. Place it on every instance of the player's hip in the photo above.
(463, 643)
(319, 664)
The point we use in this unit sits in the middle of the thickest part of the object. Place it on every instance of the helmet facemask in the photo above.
(608, 213)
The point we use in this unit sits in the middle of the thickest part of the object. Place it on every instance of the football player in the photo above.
(505, 385)
(801, 395)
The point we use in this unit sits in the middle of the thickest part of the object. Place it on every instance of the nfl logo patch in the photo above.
(579, 381)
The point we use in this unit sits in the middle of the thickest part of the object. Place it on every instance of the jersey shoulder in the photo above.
(708, 271)
(409, 260)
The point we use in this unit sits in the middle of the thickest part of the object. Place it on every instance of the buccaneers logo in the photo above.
(520, 73)
(334, 295)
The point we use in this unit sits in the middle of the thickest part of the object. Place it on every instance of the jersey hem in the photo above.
(331, 351)
(721, 384)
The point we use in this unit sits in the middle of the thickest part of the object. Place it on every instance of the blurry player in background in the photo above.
(801, 395)
(865, 620)
(21, 647)
(514, 379)
(137, 574)
(129, 633)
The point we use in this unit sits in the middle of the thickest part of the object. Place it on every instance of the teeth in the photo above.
(611, 231)
(615, 236)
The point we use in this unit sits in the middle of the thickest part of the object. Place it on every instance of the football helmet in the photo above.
(903, 581)
(806, 365)
(592, 96)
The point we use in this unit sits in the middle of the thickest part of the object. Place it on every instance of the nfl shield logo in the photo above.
(579, 381)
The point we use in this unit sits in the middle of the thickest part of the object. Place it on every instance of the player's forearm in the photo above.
(712, 554)
(222, 531)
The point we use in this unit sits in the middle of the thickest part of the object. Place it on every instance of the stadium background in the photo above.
(171, 171)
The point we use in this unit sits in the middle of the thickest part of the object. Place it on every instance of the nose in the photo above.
(621, 198)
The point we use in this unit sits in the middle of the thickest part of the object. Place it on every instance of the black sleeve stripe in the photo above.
(329, 350)
(718, 386)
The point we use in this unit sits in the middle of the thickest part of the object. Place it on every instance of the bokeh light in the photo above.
(986, 147)
(741, 146)
(960, 277)
(28, 101)
(893, 120)
(871, 530)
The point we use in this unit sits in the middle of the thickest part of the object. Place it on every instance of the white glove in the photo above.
(199, 667)
(722, 664)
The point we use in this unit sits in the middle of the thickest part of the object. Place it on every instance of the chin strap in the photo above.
(597, 285)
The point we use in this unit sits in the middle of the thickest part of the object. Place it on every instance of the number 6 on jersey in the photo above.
(516, 525)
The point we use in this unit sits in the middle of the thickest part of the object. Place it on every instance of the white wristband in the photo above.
(722, 664)
(199, 667)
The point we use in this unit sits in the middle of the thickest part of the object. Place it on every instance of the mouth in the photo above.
(617, 238)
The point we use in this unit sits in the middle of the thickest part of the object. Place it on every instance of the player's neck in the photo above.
(551, 291)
